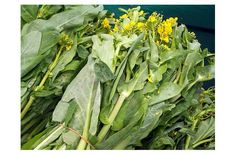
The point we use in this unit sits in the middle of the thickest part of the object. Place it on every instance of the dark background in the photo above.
(198, 18)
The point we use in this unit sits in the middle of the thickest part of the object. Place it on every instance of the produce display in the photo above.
(93, 81)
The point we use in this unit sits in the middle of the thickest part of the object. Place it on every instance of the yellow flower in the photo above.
(172, 20)
(129, 26)
(140, 25)
(168, 27)
(124, 16)
(160, 29)
(165, 28)
(164, 37)
(105, 23)
(141, 13)
(152, 18)
(68, 47)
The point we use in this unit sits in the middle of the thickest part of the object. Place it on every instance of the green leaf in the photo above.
(103, 72)
(119, 136)
(72, 66)
(48, 10)
(168, 55)
(103, 49)
(64, 20)
(127, 111)
(162, 142)
(121, 67)
(85, 90)
(153, 49)
(29, 12)
(205, 73)
(70, 112)
(156, 74)
(133, 58)
(191, 60)
(166, 91)
(206, 129)
(70, 138)
(82, 52)
(35, 46)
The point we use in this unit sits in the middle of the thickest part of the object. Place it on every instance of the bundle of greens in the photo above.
(93, 81)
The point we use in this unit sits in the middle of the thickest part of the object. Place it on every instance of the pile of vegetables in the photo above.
(91, 80)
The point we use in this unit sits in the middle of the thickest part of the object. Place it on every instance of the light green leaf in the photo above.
(35, 46)
(103, 72)
(103, 49)
(29, 12)
(64, 20)
(166, 91)
(85, 90)
(153, 49)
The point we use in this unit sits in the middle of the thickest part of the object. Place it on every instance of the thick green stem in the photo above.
(202, 142)
(28, 105)
(112, 117)
(82, 144)
(189, 137)
(45, 77)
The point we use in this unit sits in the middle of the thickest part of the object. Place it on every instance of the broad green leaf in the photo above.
(166, 91)
(133, 58)
(35, 46)
(162, 142)
(127, 111)
(64, 20)
(103, 49)
(103, 72)
(29, 12)
(70, 112)
(149, 122)
(168, 55)
(153, 49)
(85, 90)
(205, 73)
(72, 66)
(119, 136)
(191, 60)
(82, 52)
(155, 75)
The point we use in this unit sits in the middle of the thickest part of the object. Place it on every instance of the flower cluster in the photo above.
(165, 28)
(134, 21)
(66, 41)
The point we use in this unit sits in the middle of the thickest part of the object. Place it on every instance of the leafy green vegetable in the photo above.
(90, 80)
